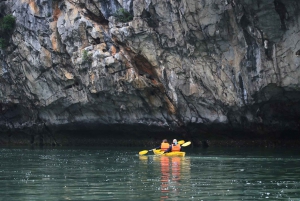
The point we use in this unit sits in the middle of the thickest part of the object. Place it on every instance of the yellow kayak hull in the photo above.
(176, 153)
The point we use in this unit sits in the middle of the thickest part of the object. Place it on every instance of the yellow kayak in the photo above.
(175, 153)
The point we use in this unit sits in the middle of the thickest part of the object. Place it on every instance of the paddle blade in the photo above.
(143, 152)
(186, 144)
(181, 142)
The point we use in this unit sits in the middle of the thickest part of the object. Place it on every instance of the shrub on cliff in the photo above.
(3, 43)
(123, 15)
(86, 57)
(7, 24)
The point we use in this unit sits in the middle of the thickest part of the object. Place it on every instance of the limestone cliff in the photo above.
(207, 69)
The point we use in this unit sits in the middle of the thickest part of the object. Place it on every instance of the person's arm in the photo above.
(169, 149)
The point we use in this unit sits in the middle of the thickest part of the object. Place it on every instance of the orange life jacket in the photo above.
(164, 146)
(176, 147)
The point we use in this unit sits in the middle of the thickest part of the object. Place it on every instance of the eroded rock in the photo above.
(177, 64)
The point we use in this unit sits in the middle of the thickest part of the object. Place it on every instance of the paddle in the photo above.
(145, 152)
(181, 142)
(186, 144)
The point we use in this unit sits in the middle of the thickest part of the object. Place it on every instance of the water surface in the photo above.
(54, 174)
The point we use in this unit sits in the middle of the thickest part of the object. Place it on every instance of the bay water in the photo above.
(52, 174)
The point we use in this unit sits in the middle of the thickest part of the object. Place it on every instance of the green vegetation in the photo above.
(86, 57)
(123, 15)
(3, 43)
(7, 24)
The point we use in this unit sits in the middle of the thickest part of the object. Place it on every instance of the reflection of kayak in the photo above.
(144, 158)
(175, 153)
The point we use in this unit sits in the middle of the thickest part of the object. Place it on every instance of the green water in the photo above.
(120, 174)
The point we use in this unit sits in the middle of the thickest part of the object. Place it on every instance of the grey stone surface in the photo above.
(178, 65)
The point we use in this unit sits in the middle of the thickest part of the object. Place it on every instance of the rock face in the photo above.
(208, 69)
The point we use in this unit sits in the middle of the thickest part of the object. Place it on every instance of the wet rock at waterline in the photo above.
(222, 69)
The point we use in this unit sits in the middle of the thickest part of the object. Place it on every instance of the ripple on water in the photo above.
(87, 174)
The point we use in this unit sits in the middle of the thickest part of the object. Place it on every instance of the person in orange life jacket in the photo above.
(164, 145)
(174, 147)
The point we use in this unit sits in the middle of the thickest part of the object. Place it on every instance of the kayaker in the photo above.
(173, 147)
(164, 145)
